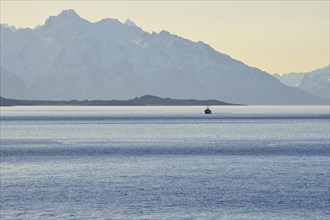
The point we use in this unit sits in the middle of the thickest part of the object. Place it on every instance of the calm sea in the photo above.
(241, 162)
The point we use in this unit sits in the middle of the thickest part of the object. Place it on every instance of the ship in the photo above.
(207, 110)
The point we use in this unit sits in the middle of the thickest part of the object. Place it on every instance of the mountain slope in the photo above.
(12, 85)
(71, 58)
(317, 82)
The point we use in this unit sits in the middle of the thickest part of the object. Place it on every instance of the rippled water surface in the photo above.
(241, 162)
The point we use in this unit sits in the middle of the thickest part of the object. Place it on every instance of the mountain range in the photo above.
(71, 58)
(316, 82)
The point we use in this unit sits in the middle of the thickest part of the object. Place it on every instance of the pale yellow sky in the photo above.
(275, 36)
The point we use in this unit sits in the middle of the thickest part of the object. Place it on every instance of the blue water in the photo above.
(242, 162)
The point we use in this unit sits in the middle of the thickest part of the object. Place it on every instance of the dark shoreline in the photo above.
(147, 100)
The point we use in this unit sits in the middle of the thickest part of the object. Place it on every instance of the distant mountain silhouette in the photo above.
(147, 100)
(71, 58)
(316, 82)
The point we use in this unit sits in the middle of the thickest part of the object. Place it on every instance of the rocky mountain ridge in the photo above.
(71, 58)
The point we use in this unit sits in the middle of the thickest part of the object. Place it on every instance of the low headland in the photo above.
(147, 100)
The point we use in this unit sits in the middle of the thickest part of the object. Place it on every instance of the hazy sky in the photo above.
(275, 36)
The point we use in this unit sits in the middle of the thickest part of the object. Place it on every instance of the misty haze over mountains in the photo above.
(71, 58)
